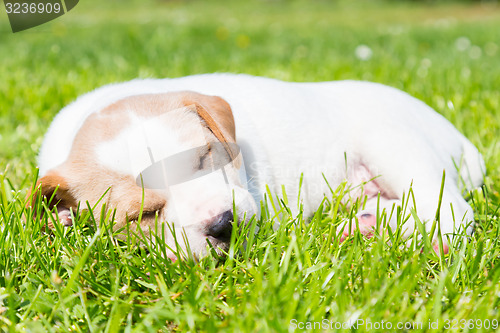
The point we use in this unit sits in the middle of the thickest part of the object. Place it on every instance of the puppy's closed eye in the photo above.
(214, 156)
(149, 209)
(205, 158)
(134, 216)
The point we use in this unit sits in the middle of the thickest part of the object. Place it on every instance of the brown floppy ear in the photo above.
(54, 190)
(220, 116)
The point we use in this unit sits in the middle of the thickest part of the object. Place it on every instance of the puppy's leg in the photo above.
(454, 212)
(420, 180)
(452, 215)
(380, 213)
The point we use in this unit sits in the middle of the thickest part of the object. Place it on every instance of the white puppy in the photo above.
(169, 146)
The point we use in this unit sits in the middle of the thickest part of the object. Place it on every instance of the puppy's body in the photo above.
(342, 130)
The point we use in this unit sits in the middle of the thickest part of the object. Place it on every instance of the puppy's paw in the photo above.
(435, 247)
(367, 223)
(62, 216)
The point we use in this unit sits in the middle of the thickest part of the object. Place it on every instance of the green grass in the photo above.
(82, 279)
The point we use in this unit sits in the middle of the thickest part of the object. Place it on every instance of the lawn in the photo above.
(82, 279)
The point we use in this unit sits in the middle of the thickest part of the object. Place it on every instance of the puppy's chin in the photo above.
(197, 247)
(211, 221)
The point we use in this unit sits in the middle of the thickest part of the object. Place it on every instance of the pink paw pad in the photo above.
(64, 216)
(366, 222)
(435, 246)
(172, 257)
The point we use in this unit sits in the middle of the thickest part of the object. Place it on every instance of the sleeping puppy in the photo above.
(191, 156)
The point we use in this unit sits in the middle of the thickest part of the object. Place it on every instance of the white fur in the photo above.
(285, 129)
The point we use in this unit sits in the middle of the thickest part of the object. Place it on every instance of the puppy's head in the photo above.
(164, 162)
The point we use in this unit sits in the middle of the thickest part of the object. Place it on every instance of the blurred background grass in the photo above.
(445, 53)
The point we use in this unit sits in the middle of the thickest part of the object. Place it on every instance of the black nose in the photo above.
(221, 226)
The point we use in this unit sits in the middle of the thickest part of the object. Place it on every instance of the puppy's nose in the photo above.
(221, 226)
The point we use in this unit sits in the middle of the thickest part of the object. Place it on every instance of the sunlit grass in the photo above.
(83, 279)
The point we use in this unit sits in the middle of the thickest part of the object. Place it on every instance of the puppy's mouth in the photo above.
(219, 246)
(219, 241)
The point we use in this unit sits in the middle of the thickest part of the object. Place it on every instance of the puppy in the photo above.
(191, 156)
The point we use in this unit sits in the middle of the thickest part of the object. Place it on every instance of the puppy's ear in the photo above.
(54, 190)
(220, 116)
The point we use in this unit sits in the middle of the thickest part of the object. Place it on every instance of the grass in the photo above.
(83, 279)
